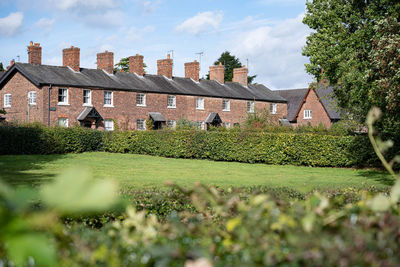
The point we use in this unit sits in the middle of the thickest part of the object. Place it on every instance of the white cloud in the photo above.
(45, 23)
(70, 4)
(136, 34)
(274, 53)
(147, 6)
(11, 24)
(200, 23)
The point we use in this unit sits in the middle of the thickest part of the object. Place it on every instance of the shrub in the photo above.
(250, 147)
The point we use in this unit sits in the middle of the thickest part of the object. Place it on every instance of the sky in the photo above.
(266, 35)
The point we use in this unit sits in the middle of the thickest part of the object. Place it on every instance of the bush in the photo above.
(250, 147)
(37, 139)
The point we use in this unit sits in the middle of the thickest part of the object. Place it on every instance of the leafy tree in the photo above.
(230, 62)
(123, 65)
(355, 46)
(1, 67)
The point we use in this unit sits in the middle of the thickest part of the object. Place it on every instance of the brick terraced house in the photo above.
(97, 98)
(311, 106)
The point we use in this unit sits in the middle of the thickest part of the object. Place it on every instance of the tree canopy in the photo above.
(230, 62)
(1, 67)
(123, 65)
(355, 46)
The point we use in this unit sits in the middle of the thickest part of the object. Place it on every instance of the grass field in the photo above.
(148, 171)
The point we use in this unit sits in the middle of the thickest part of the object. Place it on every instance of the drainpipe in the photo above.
(48, 111)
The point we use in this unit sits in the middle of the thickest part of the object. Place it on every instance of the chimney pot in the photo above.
(192, 70)
(217, 73)
(136, 65)
(71, 58)
(105, 61)
(34, 53)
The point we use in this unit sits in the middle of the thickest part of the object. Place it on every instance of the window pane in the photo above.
(87, 97)
(109, 125)
(141, 99)
(108, 98)
(62, 95)
(7, 100)
(171, 101)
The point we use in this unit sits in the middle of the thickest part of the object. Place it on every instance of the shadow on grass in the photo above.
(379, 176)
(14, 170)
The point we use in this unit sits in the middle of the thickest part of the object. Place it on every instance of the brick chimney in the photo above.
(217, 73)
(192, 70)
(12, 62)
(35, 53)
(240, 75)
(71, 58)
(105, 61)
(164, 67)
(136, 65)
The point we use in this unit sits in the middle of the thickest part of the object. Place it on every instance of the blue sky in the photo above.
(267, 33)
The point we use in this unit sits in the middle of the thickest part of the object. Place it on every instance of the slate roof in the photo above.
(213, 117)
(157, 117)
(42, 75)
(1, 74)
(89, 112)
(295, 98)
(326, 96)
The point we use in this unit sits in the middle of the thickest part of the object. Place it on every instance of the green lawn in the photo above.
(142, 171)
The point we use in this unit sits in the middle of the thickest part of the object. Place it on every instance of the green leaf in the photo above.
(75, 191)
(21, 247)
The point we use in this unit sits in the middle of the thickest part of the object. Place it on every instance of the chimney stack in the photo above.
(71, 58)
(164, 67)
(35, 53)
(105, 61)
(136, 65)
(192, 70)
(240, 75)
(12, 62)
(217, 73)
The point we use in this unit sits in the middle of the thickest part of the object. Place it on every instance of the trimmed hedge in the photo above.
(36, 139)
(249, 147)
(239, 146)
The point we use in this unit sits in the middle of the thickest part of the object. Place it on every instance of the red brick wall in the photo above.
(125, 110)
(192, 70)
(164, 67)
(240, 75)
(71, 58)
(217, 73)
(18, 87)
(319, 114)
(34, 54)
(136, 65)
(105, 61)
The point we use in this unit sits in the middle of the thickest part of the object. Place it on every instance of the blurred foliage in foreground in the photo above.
(211, 228)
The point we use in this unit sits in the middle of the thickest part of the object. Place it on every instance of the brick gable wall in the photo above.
(319, 114)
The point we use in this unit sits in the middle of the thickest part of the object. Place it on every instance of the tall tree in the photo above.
(123, 65)
(230, 62)
(355, 46)
(1, 67)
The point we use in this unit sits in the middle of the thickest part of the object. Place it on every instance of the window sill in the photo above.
(63, 104)
(7, 107)
(87, 105)
(226, 110)
(143, 106)
(199, 108)
(307, 118)
(172, 107)
(108, 106)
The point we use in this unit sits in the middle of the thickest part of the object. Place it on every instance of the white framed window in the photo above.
(272, 108)
(140, 99)
(108, 125)
(87, 97)
(108, 99)
(7, 100)
(200, 125)
(63, 122)
(200, 103)
(227, 125)
(141, 124)
(226, 105)
(62, 96)
(171, 101)
(171, 124)
(32, 98)
(307, 114)
(250, 106)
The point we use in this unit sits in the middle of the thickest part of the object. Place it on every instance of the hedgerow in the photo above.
(249, 147)
(236, 145)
